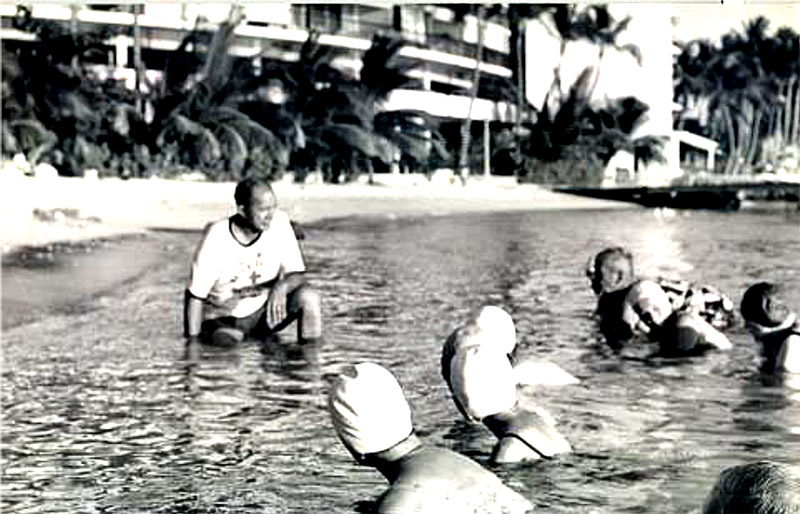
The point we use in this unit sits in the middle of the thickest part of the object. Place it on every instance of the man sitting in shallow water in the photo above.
(682, 319)
(373, 420)
(248, 276)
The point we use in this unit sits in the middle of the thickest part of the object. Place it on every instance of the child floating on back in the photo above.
(477, 369)
(773, 325)
(682, 319)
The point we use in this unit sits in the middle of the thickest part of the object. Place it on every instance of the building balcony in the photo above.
(441, 52)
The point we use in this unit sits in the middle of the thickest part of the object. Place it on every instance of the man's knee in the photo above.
(307, 299)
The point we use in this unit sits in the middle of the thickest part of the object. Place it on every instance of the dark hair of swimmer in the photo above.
(761, 304)
(612, 270)
(756, 488)
(245, 188)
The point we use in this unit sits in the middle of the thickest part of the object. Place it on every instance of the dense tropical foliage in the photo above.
(573, 136)
(227, 116)
(209, 111)
(743, 92)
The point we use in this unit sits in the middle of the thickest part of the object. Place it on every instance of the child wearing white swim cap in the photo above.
(477, 369)
(373, 420)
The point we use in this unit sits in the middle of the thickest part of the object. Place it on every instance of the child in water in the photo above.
(682, 319)
(373, 420)
(774, 326)
(479, 373)
(756, 488)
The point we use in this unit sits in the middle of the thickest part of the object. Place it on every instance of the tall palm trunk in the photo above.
(755, 136)
(466, 124)
(745, 122)
(795, 134)
(787, 113)
(731, 133)
(518, 37)
(137, 57)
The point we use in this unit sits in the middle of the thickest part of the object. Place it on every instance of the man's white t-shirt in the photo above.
(222, 266)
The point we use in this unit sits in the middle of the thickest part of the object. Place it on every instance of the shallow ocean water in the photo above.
(105, 409)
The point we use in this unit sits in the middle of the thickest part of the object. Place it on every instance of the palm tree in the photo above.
(46, 106)
(784, 63)
(742, 94)
(203, 106)
(518, 17)
(595, 25)
(341, 118)
(465, 131)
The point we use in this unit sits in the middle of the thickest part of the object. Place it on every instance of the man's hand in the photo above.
(276, 305)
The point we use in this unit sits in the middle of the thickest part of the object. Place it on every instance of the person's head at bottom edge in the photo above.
(756, 488)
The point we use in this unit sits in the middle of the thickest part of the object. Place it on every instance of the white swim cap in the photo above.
(466, 336)
(368, 408)
(498, 324)
(482, 381)
(651, 298)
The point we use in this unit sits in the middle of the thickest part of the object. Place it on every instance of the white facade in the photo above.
(617, 75)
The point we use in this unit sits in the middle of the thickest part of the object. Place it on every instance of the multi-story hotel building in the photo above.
(441, 47)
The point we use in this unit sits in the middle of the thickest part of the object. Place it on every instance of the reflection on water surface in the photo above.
(105, 410)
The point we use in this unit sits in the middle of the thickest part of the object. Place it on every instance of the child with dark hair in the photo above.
(774, 325)
(756, 488)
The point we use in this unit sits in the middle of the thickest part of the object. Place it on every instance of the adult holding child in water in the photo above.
(683, 319)
(248, 276)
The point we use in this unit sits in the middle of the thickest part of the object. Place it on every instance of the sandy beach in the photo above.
(40, 211)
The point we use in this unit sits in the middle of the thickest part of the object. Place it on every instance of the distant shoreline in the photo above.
(43, 211)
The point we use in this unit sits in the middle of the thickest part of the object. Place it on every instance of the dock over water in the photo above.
(727, 196)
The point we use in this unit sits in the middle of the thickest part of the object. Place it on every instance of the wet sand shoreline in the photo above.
(47, 214)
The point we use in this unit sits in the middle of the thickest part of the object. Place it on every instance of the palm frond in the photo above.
(221, 115)
(256, 135)
(344, 138)
(208, 148)
(219, 63)
(31, 134)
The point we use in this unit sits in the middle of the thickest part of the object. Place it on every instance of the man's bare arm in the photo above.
(192, 315)
(276, 303)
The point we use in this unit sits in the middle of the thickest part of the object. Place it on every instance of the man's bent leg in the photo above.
(221, 332)
(304, 305)
(228, 330)
(306, 302)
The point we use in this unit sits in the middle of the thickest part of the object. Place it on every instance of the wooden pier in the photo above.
(727, 196)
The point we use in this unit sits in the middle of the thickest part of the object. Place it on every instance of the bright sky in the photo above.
(712, 20)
